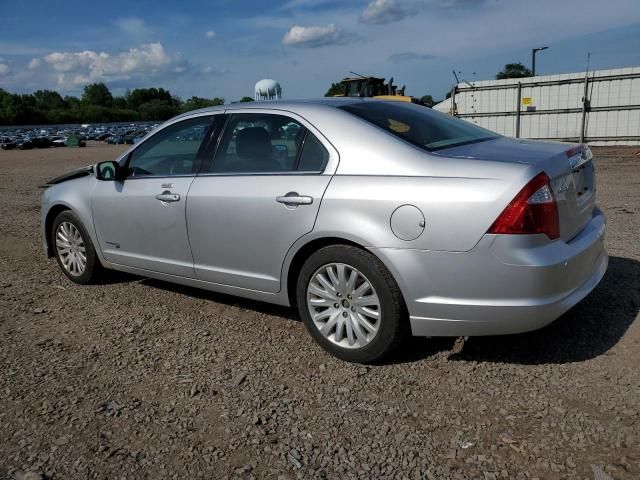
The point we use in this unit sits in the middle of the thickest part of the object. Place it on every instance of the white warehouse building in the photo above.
(551, 107)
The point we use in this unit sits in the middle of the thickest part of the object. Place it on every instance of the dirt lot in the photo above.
(141, 379)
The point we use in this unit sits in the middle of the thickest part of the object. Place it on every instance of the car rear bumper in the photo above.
(506, 284)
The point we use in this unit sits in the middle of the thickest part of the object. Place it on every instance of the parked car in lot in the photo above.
(115, 140)
(8, 143)
(58, 141)
(41, 142)
(377, 219)
(59, 136)
(25, 143)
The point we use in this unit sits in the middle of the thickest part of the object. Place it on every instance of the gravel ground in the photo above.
(137, 378)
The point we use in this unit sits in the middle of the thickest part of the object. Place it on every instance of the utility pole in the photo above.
(453, 95)
(518, 100)
(585, 101)
(454, 111)
(533, 59)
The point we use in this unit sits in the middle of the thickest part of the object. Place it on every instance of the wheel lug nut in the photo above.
(353, 309)
(344, 314)
(339, 294)
(336, 305)
(349, 297)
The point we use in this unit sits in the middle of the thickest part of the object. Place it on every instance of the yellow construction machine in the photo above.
(374, 87)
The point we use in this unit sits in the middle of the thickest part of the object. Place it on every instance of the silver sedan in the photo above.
(377, 219)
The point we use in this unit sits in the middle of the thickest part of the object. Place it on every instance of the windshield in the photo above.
(419, 125)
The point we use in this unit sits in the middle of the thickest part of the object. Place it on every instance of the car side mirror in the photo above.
(109, 171)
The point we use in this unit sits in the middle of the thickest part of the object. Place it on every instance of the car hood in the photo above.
(77, 173)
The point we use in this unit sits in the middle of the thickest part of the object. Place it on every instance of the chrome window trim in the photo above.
(258, 174)
(145, 177)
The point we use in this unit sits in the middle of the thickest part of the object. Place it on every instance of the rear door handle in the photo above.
(293, 198)
(167, 196)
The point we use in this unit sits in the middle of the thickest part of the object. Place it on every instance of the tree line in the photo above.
(97, 105)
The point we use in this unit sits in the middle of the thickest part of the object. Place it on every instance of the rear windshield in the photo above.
(419, 125)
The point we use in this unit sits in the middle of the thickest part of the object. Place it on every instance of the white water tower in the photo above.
(268, 89)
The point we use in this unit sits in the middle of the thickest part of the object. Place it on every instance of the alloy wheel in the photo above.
(343, 305)
(71, 249)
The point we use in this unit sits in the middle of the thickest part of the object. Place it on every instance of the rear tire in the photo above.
(350, 304)
(74, 250)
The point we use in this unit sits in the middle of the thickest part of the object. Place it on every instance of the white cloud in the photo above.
(4, 69)
(383, 11)
(311, 37)
(133, 26)
(210, 34)
(34, 63)
(77, 68)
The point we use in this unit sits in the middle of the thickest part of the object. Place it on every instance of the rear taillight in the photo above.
(533, 210)
(574, 151)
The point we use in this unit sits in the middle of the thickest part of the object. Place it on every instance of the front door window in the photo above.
(170, 152)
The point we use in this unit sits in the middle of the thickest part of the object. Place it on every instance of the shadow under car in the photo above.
(588, 330)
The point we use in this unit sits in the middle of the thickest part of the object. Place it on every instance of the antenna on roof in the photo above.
(458, 80)
(357, 74)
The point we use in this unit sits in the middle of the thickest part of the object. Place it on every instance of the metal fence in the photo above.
(601, 107)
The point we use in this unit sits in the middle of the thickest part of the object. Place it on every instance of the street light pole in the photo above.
(533, 59)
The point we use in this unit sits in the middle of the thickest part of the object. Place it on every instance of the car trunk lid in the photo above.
(569, 166)
(575, 191)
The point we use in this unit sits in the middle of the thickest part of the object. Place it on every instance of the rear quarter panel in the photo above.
(459, 197)
(458, 208)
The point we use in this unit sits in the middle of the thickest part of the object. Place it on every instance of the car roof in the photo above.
(282, 104)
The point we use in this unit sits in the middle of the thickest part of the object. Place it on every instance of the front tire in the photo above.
(350, 304)
(73, 249)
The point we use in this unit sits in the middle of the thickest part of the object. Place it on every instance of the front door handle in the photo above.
(292, 198)
(167, 196)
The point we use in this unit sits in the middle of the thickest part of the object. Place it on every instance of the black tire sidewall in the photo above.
(385, 287)
(92, 260)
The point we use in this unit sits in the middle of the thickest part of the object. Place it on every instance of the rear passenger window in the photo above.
(259, 143)
(267, 143)
(314, 156)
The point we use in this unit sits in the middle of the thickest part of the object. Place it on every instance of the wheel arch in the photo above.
(301, 256)
(312, 246)
(53, 212)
